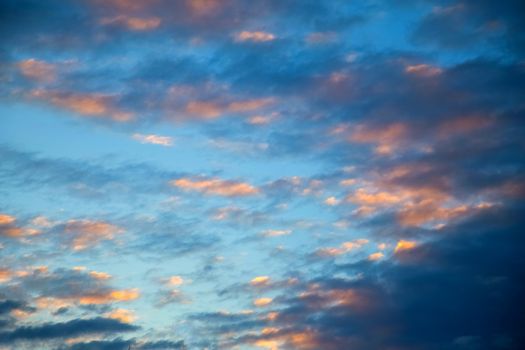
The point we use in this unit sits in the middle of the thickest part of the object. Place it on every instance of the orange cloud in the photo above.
(330, 251)
(464, 125)
(5, 274)
(176, 280)
(100, 275)
(415, 206)
(376, 256)
(362, 197)
(207, 110)
(216, 187)
(9, 229)
(344, 248)
(403, 245)
(261, 302)
(122, 315)
(6, 219)
(423, 70)
(109, 297)
(154, 139)
(415, 214)
(260, 281)
(387, 139)
(274, 339)
(249, 105)
(254, 36)
(129, 5)
(86, 104)
(214, 109)
(52, 303)
(87, 233)
(203, 7)
(262, 119)
(37, 70)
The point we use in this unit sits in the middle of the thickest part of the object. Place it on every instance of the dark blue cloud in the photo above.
(65, 329)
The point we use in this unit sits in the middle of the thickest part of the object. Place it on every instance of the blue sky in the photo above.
(225, 174)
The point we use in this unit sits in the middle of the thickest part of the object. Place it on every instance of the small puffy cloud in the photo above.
(344, 248)
(218, 187)
(260, 120)
(260, 281)
(376, 256)
(176, 280)
(276, 233)
(6, 219)
(257, 36)
(100, 275)
(154, 139)
(403, 245)
(88, 233)
(261, 302)
(41, 221)
(37, 70)
(123, 315)
(348, 182)
(331, 201)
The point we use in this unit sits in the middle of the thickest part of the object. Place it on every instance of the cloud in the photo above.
(260, 281)
(344, 248)
(70, 328)
(109, 297)
(376, 256)
(121, 344)
(154, 139)
(6, 219)
(37, 70)
(216, 187)
(93, 105)
(423, 70)
(8, 228)
(276, 233)
(123, 315)
(262, 302)
(133, 23)
(465, 258)
(387, 138)
(63, 288)
(175, 280)
(215, 109)
(254, 36)
(85, 233)
(403, 245)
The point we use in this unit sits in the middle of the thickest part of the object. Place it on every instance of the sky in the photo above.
(272, 175)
